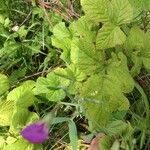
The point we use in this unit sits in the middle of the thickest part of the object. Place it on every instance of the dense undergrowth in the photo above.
(90, 59)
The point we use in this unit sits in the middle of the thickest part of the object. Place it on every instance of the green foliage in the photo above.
(73, 135)
(6, 109)
(53, 86)
(20, 143)
(105, 98)
(4, 84)
(137, 47)
(90, 64)
(110, 36)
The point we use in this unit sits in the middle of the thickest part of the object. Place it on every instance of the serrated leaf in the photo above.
(53, 86)
(102, 93)
(61, 33)
(84, 55)
(6, 110)
(83, 28)
(23, 95)
(96, 10)
(122, 11)
(20, 118)
(73, 75)
(109, 36)
(135, 39)
(97, 117)
(4, 84)
(118, 69)
(137, 46)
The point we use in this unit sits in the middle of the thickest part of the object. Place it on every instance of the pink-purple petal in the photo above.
(36, 133)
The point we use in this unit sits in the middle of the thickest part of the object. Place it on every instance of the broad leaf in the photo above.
(118, 69)
(138, 46)
(109, 36)
(20, 144)
(4, 84)
(116, 127)
(53, 87)
(85, 56)
(102, 93)
(83, 28)
(122, 11)
(96, 10)
(23, 95)
(74, 76)
(62, 39)
(20, 118)
(6, 110)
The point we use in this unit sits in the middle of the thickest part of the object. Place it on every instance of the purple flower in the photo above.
(36, 133)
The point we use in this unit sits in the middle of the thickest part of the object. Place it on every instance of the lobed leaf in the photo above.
(109, 36)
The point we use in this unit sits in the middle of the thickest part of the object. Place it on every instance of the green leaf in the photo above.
(115, 146)
(146, 62)
(135, 70)
(10, 48)
(10, 140)
(74, 76)
(140, 5)
(102, 93)
(137, 46)
(61, 33)
(96, 11)
(122, 11)
(118, 69)
(23, 95)
(83, 28)
(84, 55)
(97, 117)
(116, 127)
(6, 110)
(20, 118)
(53, 86)
(20, 144)
(60, 120)
(2, 142)
(105, 143)
(4, 84)
(135, 40)
(22, 32)
(16, 75)
(109, 36)
(73, 135)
